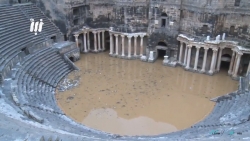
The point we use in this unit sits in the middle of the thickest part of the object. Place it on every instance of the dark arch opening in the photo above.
(162, 44)
(53, 38)
(204, 29)
(65, 37)
(75, 11)
(237, 3)
(164, 15)
(161, 54)
(164, 19)
(107, 40)
(231, 31)
(225, 62)
(71, 59)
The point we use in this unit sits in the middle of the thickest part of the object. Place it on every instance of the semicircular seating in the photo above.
(32, 82)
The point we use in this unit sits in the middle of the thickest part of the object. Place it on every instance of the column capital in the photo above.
(239, 53)
(141, 36)
(116, 35)
(76, 35)
(135, 36)
(215, 49)
(129, 36)
(189, 46)
(122, 35)
(94, 32)
(206, 48)
(197, 47)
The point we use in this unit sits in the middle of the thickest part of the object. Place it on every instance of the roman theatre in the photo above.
(125, 70)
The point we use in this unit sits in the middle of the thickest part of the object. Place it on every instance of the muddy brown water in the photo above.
(130, 97)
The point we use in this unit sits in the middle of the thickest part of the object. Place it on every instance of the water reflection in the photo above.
(108, 120)
(136, 90)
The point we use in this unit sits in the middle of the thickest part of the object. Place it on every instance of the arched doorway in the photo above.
(225, 62)
(161, 50)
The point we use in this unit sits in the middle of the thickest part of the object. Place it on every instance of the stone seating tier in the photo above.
(33, 89)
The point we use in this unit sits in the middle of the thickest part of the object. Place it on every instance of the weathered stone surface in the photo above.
(35, 83)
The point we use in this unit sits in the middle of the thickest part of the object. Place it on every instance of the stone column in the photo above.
(123, 45)
(129, 46)
(189, 56)
(185, 56)
(99, 40)
(76, 38)
(215, 60)
(219, 59)
(234, 65)
(248, 68)
(141, 45)
(204, 59)
(237, 64)
(212, 66)
(196, 58)
(88, 41)
(116, 43)
(103, 40)
(230, 71)
(111, 43)
(95, 41)
(180, 55)
(135, 45)
(85, 41)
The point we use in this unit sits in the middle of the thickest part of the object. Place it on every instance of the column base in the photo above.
(137, 56)
(85, 51)
(129, 57)
(235, 77)
(210, 72)
(203, 71)
(144, 58)
(94, 51)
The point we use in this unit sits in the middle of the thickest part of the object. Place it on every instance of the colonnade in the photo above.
(114, 45)
(187, 58)
(99, 43)
(215, 61)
